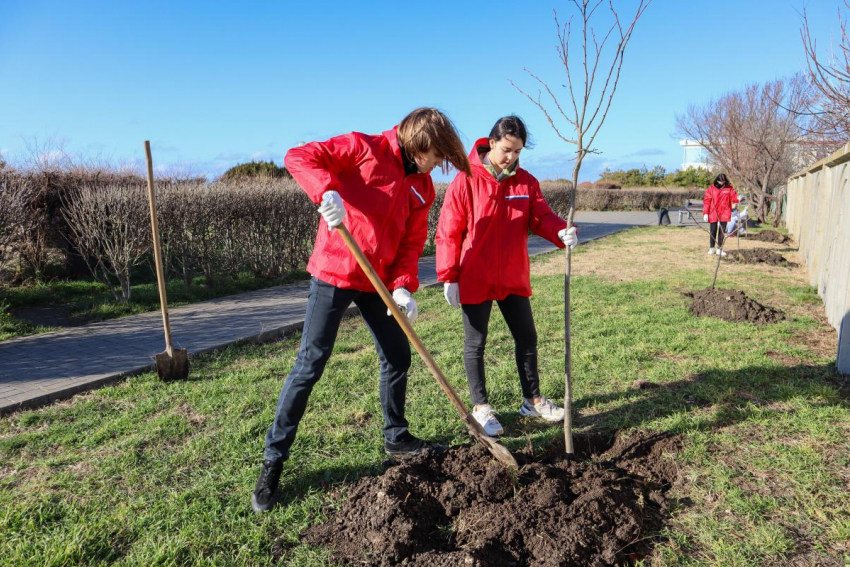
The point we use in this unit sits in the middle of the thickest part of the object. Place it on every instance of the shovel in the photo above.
(173, 364)
(500, 452)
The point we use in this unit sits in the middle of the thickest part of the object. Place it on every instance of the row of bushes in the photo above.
(598, 199)
(263, 226)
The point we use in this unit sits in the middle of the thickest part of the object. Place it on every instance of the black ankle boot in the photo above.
(266, 494)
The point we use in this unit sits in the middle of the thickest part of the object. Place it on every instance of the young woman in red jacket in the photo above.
(717, 208)
(380, 188)
(482, 256)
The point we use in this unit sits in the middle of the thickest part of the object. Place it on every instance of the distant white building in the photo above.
(694, 155)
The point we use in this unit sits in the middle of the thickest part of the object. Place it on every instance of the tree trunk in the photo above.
(568, 362)
(780, 197)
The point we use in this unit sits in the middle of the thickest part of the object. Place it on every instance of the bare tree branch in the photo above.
(590, 106)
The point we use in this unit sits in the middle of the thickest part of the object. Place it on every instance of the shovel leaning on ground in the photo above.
(499, 451)
(173, 364)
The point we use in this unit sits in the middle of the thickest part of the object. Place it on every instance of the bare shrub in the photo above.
(605, 184)
(273, 228)
(15, 196)
(262, 225)
(109, 226)
(434, 216)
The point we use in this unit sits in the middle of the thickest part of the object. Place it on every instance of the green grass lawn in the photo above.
(89, 301)
(148, 473)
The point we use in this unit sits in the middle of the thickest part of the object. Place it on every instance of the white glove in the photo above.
(332, 209)
(451, 291)
(406, 303)
(568, 237)
(704, 218)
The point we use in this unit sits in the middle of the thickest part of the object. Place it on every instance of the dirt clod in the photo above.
(769, 236)
(760, 256)
(463, 508)
(732, 305)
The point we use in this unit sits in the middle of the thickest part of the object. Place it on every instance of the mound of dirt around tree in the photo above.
(760, 256)
(462, 508)
(769, 236)
(732, 305)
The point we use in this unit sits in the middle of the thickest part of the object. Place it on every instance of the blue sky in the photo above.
(212, 84)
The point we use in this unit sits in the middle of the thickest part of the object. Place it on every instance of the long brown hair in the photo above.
(427, 128)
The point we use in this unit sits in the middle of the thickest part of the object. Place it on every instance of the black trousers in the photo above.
(326, 304)
(517, 313)
(714, 241)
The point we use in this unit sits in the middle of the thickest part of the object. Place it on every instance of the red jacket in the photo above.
(482, 235)
(717, 203)
(387, 211)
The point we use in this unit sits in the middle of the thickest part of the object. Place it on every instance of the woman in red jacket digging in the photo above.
(380, 188)
(717, 208)
(482, 256)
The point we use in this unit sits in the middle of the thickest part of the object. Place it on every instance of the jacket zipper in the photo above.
(380, 236)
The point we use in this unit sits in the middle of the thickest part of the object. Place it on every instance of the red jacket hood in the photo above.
(475, 156)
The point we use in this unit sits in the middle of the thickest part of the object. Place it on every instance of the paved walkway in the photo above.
(44, 368)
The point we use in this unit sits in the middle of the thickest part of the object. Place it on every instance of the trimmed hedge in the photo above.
(262, 225)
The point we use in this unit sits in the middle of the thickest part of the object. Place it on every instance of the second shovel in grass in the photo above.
(499, 451)
(173, 364)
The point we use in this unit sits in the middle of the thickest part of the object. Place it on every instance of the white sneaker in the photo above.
(485, 416)
(544, 409)
(710, 251)
(721, 252)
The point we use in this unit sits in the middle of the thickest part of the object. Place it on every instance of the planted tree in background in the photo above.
(592, 75)
(831, 80)
(758, 136)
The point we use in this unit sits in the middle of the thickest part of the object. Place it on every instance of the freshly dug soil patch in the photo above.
(769, 236)
(463, 508)
(732, 305)
(760, 256)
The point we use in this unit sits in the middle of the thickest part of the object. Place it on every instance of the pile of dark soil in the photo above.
(732, 305)
(769, 236)
(760, 256)
(461, 507)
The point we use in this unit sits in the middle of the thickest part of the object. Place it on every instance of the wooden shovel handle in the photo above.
(366, 266)
(157, 252)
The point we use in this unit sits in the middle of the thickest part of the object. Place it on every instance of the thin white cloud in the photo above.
(265, 155)
(647, 152)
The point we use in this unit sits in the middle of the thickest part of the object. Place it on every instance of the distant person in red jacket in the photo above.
(482, 256)
(380, 188)
(717, 208)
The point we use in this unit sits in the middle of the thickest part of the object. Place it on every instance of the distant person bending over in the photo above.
(482, 256)
(738, 224)
(380, 188)
(717, 208)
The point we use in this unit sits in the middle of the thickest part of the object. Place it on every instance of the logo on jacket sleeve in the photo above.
(418, 196)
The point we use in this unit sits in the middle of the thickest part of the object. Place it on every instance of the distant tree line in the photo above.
(657, 177)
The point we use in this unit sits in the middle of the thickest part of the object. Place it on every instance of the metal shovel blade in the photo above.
(499, 451)
(174, 366)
